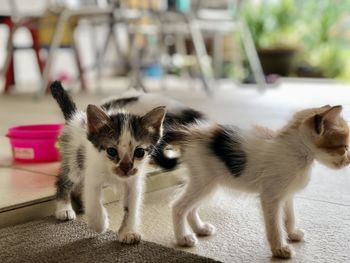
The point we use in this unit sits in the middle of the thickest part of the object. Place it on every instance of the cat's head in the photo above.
(327, 135)
(125, 140)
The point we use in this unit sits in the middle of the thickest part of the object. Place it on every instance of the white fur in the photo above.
(96, 175)
(276, 168)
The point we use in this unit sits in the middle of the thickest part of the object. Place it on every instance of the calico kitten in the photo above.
(101, 148)
(165, 155)
(273, 164)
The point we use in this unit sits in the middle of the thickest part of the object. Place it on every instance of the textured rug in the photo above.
(47, 240)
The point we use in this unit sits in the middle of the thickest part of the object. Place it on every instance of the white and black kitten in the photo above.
(274, 165)
(164, 156)
(99, 147)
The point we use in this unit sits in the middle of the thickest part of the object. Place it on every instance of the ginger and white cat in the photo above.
(273, 164)
(104, 147)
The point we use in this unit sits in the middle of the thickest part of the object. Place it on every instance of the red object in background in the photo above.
(9, 71)
(35, 143)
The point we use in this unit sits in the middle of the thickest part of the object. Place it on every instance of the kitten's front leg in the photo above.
(294, 234)
(96, 214)
(128, 231)
(271, 209)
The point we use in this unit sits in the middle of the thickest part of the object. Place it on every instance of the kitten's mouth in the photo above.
(117, 171)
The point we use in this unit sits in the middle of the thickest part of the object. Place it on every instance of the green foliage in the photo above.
(322, 35)
(319, 29)
(272, 24)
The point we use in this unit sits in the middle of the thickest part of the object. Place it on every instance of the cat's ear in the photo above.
(327, 119)
(96, 118)
(153, 120)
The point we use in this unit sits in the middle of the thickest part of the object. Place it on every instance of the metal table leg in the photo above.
(252, 55)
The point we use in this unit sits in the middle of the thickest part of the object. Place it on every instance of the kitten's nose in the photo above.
(125, 167)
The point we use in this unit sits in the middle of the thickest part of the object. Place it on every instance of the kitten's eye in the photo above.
(112, 152)
(139, 152)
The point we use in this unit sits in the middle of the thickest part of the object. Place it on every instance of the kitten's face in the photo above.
(328, 135)
(125, 140)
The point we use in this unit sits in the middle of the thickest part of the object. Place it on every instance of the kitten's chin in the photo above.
(335, 165)
(118, 172)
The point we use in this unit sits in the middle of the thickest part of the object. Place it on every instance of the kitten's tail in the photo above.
(158, 154)
(178, 137)
(63, 99)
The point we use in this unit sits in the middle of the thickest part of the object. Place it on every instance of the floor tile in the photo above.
(42, 168)
(240, 233)
(19, 188)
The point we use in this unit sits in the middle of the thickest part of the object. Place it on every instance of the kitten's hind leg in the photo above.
(64, 186)
(199, 227)
(192, 196)
(128, 231)
(294, 234)
(77, 198)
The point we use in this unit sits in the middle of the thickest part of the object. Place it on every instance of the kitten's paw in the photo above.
(129, 238)
(98, 224)
(283, 252)
(297, 235)
(189, 240)
(65, 214)
(206, 230)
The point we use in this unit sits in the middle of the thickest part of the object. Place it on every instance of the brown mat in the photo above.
(47, 240)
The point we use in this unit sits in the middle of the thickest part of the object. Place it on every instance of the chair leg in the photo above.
(8, 69)
(36, 48)
(135, 74)
(201, 54)
(181, 49)
(9, 75)
(58, 32)
(79, 65)
(217, 55)
(252, 55)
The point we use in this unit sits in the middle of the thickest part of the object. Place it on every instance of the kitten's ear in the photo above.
(326, 107)
(333, 114)
(153, 120)
(327, 119)
(96, 118)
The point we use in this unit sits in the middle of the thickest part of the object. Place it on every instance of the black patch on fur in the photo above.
(81, 157)
(160, 159)
(63, 99)
(171, 121)
(119, 103)
(100, 138)
(184, 117)
(108, 133)
(226, 146)
(112, 130)
(77, 202)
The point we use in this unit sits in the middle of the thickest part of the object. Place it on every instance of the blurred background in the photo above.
(83, 42)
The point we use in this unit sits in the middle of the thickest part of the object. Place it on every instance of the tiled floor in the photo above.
(324, 207)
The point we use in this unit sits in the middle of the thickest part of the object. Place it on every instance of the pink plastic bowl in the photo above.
(35, 143)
